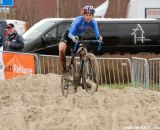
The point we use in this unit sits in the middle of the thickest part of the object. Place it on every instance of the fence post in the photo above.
(154, 70)
(140, 71)
(37, 62)
(133, 82)
(147, 73)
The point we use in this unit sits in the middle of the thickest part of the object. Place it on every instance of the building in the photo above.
(129, 9)
(144, 9)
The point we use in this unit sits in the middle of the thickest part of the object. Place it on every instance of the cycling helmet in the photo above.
(88, 9)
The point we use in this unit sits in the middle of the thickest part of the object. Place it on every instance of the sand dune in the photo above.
(36, 103)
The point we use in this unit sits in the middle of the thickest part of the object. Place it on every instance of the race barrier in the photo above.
(154, 73)
(17, 64)
(136, 71)
(146, 73)
(49, 64)
(139, 72)
(112, 70)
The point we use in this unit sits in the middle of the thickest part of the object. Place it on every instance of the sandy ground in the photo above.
(36, 103)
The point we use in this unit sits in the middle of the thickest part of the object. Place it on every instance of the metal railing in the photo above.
(112, 70)
(140, 72)
(49, 64)
(154, 73)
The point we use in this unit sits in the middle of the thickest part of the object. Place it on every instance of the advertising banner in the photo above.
(18, 64)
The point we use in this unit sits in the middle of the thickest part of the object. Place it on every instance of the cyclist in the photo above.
(79, 25)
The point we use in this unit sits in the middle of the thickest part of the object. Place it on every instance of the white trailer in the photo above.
(144, 9)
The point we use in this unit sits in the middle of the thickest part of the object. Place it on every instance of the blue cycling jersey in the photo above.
(79, 25)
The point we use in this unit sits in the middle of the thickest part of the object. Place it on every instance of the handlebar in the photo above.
(88, 41)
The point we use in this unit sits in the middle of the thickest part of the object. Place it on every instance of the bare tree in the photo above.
(26, 10)
(117, 9)
(72, 8)
(68, 8)
(34, 10)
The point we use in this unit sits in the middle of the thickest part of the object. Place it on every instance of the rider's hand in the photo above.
(75, 39)
(100, 38)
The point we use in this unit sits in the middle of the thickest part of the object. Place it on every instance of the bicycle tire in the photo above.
(67, 80)
(90, 73)
(64, 86)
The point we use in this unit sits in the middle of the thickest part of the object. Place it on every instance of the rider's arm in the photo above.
(95, 28)
(73, 28)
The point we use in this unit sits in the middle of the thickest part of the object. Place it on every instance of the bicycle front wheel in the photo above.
(90, 77)
(67, 81)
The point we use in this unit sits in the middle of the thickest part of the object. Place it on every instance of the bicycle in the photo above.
(88, 74)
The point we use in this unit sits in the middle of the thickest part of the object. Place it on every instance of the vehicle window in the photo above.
(35, 31)
(52, 35)
(62, 28)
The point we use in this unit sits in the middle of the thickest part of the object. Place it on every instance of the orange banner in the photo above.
(18, 64)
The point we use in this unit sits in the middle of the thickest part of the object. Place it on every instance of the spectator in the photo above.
(14, 41)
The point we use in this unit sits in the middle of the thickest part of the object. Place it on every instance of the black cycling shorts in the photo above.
(66, 39)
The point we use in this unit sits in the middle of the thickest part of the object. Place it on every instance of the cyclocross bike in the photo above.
(86, 74)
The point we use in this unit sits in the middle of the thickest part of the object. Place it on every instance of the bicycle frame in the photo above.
(82, 49)
(78, 78)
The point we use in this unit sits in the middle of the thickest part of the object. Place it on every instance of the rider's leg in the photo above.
(80, 56)
(62, 50)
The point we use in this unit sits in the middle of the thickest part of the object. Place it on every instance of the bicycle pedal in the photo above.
(88, 85)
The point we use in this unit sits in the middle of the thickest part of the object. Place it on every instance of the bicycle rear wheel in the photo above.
(90, 76)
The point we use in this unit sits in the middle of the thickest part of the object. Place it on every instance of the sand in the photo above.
(35, 102)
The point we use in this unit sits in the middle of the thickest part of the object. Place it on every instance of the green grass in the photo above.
(116, 86)
(154, 87)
